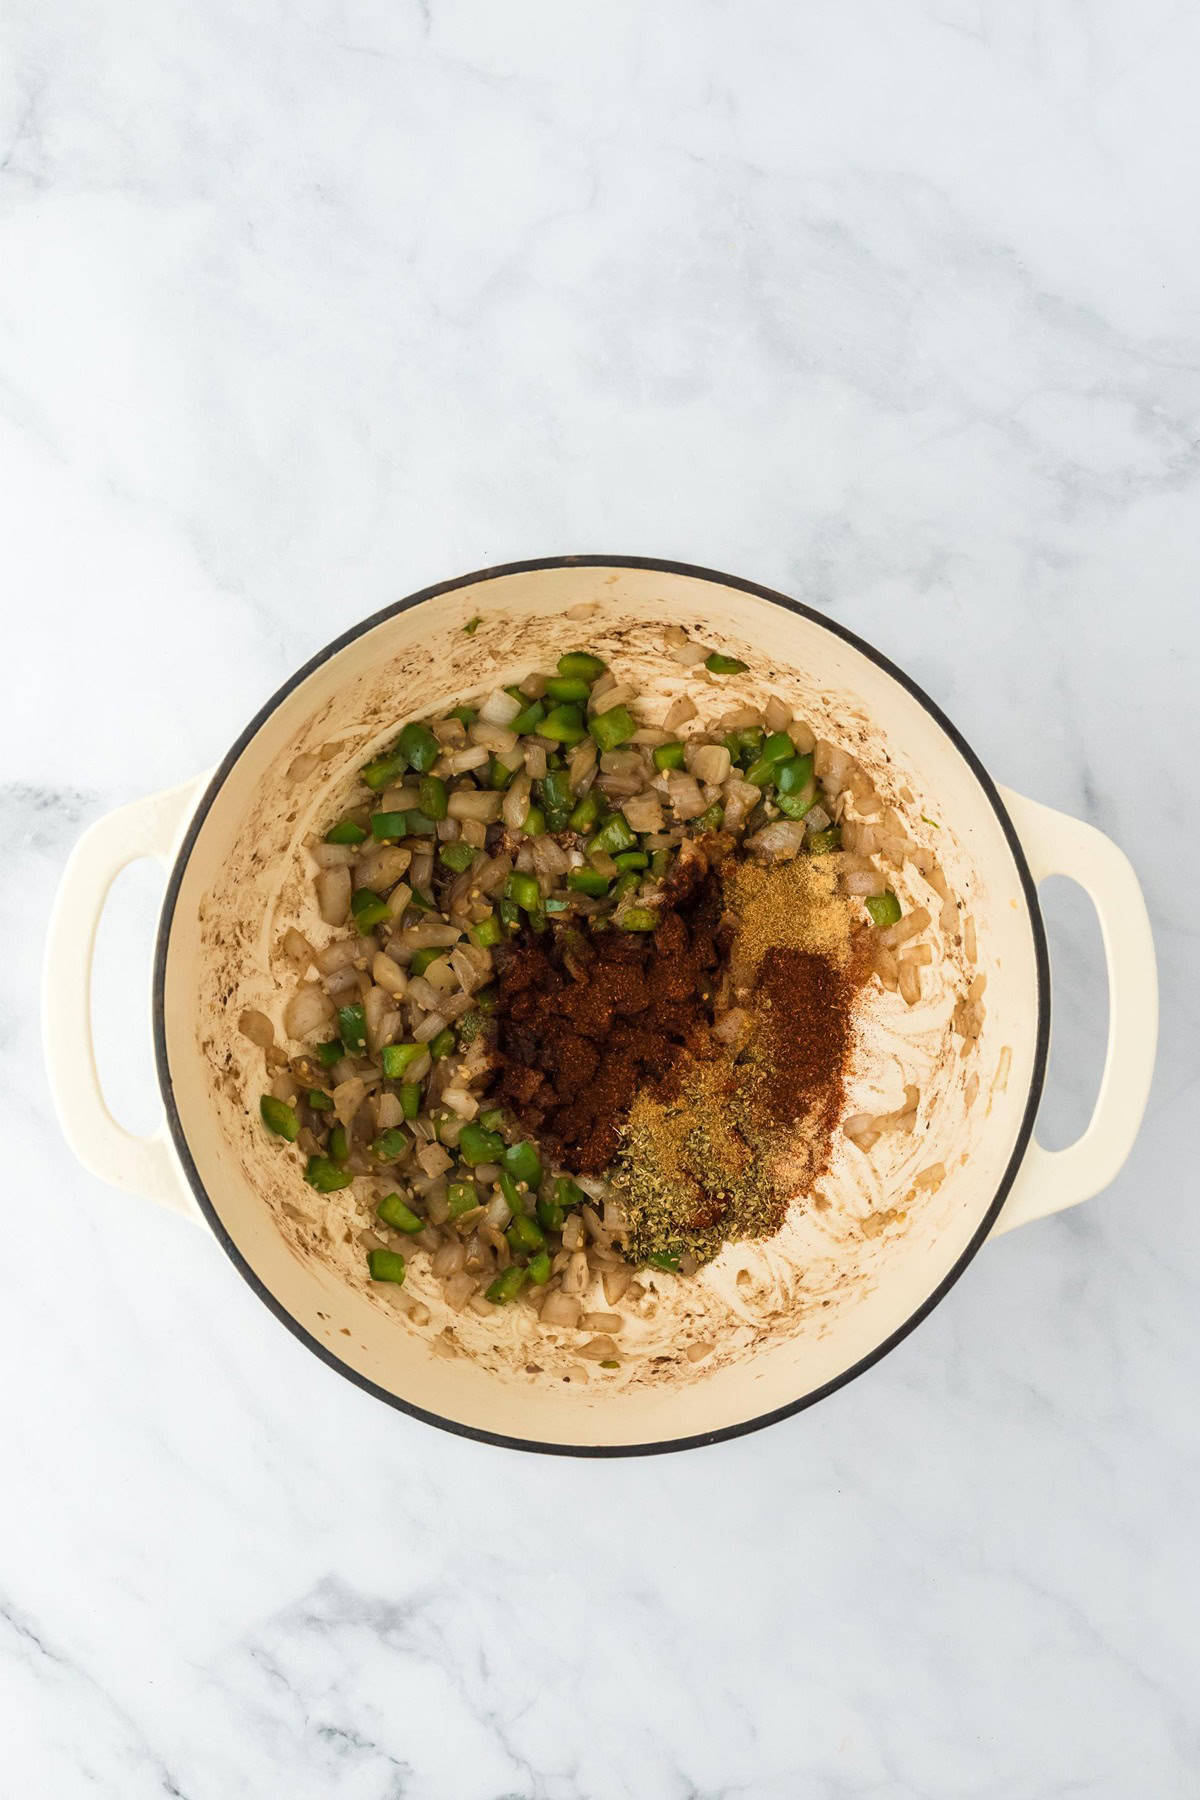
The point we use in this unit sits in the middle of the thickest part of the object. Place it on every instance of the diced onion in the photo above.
(307, 1011)
(781, 839)
(499, 708)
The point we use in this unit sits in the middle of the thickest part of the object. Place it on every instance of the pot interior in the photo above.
(784, 1318)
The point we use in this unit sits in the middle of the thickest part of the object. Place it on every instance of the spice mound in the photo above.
(703, 1067)
(584, 1023)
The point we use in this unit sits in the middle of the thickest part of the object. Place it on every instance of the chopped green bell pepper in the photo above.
(279, 1117)
(393, 1211)
(613, 728)
(324, 1175)
(582, 663)
(386, 1265)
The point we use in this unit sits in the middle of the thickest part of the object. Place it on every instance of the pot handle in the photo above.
(149, 827)
(1056, 844)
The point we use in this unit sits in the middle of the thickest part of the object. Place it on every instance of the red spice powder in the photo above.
(802, 1006)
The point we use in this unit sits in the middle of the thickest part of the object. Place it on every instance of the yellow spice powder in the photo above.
(789, 906)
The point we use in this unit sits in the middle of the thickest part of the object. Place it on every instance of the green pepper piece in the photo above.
(512, 1193)
(498, 775)
(821, 842)
(794, 806)
(778, 747)
(431, 793)
(710, 818)
(320, 1102)
(883, 908)
(330, 1052)
(509, 911)
(386, 1265)
(744, 745)
(345, 832)
(475, 1145)
(556, 798)
(794, 774)
(461, 1197)
(523, 1162)
(626, 884)
(457, 856)
(421, 959)
(324, 1175)
(394, 1212)
(506, 1287)
(663, 1259)
(421, 901)
(442, 1044)
(494, 1119)
(563, 725)
(466, 715)
(472, 625)
(535, 822)
(368, 909)
(279, 1117)
(383, 770)
(660, 862)
(669, 756)
(339, 1145)
(410, 1099)
(586, 811)
(614, 835)
(419, 824)
(557, 906)
(538, 1268)
(385, 825)
(582, 663)
(550, 1215)
(352, 1023)
(486, 934)
(632, 859)
(397, 1058)
(777, 752)
(485, 999)
(613, 728)
(418, 744)
(568, 1193)
(568, 687)
(716, 664)
(524, 1235)
(391, 1145)
(529, 718)
(588, 881)
(638, 918)
(523, 888)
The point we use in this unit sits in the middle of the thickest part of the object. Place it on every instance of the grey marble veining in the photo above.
(894, 306)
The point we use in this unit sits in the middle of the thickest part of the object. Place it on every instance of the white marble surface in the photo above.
(894, 306)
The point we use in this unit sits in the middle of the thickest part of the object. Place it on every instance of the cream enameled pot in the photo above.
(790, 1321)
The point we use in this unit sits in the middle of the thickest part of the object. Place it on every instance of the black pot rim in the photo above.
(1041, 1045)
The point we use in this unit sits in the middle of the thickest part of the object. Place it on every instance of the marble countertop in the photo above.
(893, 306)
